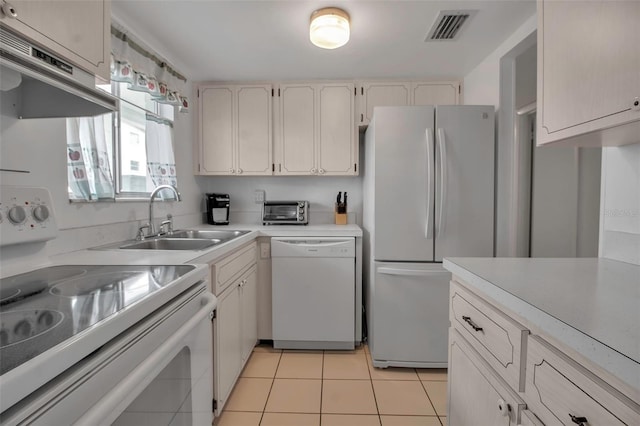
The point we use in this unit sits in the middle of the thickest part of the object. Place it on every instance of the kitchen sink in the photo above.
(172, 244)
(186, 239)
(206, 234)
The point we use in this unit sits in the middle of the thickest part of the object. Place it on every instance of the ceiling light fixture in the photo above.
(329, 28)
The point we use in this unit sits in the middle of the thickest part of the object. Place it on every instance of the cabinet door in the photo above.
(216, 130)
(297, 130)
(446, 93)
(226, 343)
(477, 396)
(382, 94)
(254, 140)
(79, 31)
(588, 62)
(249, 312)
(337, 147)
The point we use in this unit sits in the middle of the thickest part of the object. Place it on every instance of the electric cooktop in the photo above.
(45, 307)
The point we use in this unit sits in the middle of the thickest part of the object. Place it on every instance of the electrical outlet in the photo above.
(259, 196)
(265, 250)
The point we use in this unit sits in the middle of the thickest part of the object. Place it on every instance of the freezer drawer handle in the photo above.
(473, 325)
(578, 420)
(409, 272)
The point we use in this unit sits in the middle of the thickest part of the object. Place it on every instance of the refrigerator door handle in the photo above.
(409, 272)
(427, 227)
(443, 179)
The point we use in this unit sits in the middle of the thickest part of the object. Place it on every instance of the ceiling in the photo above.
(210, 40)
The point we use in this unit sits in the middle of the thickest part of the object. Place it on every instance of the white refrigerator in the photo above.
(428, 194)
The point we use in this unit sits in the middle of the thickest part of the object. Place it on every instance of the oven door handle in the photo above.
(110, 405)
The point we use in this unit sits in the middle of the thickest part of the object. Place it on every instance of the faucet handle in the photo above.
(168, 223)
(140, 236)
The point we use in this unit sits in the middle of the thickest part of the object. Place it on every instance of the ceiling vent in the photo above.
(449, 24)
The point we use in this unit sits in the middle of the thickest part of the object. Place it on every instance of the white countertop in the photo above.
(174, 257)
(592, 305)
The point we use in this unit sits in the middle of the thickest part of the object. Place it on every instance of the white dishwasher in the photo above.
(313, 292)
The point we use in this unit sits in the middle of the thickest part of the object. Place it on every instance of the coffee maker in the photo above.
(217, 209)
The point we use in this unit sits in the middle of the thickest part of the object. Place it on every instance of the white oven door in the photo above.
(158, 373)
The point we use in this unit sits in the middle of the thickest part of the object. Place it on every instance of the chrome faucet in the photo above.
(154, 194)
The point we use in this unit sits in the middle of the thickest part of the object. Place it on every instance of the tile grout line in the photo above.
(430, 401)
(375, 400)
(273, 381)
(321, 389)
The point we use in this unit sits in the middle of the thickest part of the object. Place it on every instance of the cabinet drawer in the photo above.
(557, 388)
(498, 338)
(229, 268)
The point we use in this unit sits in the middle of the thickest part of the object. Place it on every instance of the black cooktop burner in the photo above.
(45, 307)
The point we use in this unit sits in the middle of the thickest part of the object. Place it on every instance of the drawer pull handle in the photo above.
(578, 420)
(473, 325)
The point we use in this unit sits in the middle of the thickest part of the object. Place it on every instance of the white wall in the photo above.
(321, 193)
(620, 207)
(482, 87)
(39, 145)
(482, 84)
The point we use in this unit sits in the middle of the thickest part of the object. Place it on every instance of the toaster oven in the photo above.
(285, 213)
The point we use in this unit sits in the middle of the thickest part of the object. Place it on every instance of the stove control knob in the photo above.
(17, 215)
(41, 213)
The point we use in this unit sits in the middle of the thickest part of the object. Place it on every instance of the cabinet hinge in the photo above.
(273, 167)
(355, 91)
(272, 92)
(214, 405)
(362, 118)
(362, 90)
(278, 92)
(459, 89)
(213, 315)
(355, 167)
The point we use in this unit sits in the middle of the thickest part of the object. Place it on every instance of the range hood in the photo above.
(49, 87)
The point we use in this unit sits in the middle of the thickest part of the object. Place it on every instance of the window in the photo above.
(124, 154)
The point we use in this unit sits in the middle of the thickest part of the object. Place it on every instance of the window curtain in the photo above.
(89, 169)
(161, 163)
(134, 63)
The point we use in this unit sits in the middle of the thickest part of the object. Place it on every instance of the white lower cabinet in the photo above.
(249, 312)
(484, 375)
(477, 396)
(227, 345)
(235, 326)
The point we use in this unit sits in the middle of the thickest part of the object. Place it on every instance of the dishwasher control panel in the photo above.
(313, 247)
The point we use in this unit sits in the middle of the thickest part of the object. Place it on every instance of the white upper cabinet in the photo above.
(317, 132)
(398, 93)
(296, 145)
(78, 31)
(382, 94)
(588, 72)
(445, 93)
(235, 133)
(337, 150)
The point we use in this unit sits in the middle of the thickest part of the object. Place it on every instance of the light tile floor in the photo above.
(327, 388)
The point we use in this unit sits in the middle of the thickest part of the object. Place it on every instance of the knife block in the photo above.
(340, 218)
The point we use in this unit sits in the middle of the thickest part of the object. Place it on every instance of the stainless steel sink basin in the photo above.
(172, 244)
(206, 234)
